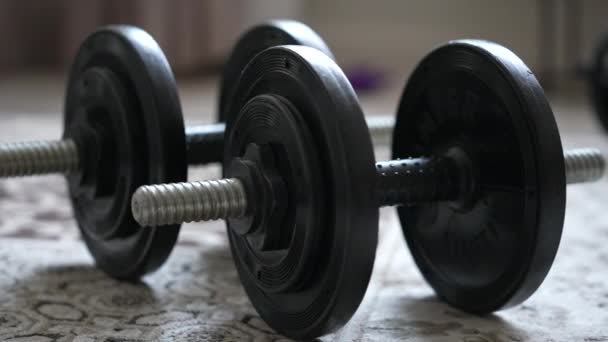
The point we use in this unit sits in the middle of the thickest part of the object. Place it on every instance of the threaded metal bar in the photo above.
(166, 204)
(584, 165)
(38, 158)
(411, 180)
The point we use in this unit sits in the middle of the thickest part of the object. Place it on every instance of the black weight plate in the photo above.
(123, 110)
(493, 249)
(297, 100)
(598, 81)
(257, 39)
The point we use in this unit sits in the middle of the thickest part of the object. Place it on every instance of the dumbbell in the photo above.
(597, 78)
(124, 128)
(478, 173)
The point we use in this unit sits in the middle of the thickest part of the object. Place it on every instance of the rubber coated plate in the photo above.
(257, 39)
(491, 250)
(598, 81)
(332, 223)
(123, 110)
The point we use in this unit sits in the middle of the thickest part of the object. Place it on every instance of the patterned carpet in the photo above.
(50, 291)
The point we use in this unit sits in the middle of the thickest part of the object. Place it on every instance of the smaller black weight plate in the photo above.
(123, 111)
(492, 249)
(598, 81)
(296, 100)
(257, 39)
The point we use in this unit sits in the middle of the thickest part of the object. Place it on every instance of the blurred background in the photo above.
(379, 41)
(48, 287)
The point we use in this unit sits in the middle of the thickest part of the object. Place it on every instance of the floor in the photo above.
(49, 290)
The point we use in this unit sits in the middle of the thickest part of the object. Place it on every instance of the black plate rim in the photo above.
(155, 79)
(550, 174)
(293, 32)
(345, 129)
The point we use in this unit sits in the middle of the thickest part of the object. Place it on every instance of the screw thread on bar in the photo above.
(584, 165)
(38, 158)
(166, 204)
(417, 180)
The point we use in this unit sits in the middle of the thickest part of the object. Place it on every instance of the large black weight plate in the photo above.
(493, 249)
(297, 100)
(123, 110)
(598, 81)
(254, 41)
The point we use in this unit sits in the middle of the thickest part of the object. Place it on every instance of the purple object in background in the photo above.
(365, 78)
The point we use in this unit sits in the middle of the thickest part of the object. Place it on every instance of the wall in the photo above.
(194, 34)
(397, 33)
(393, 34)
